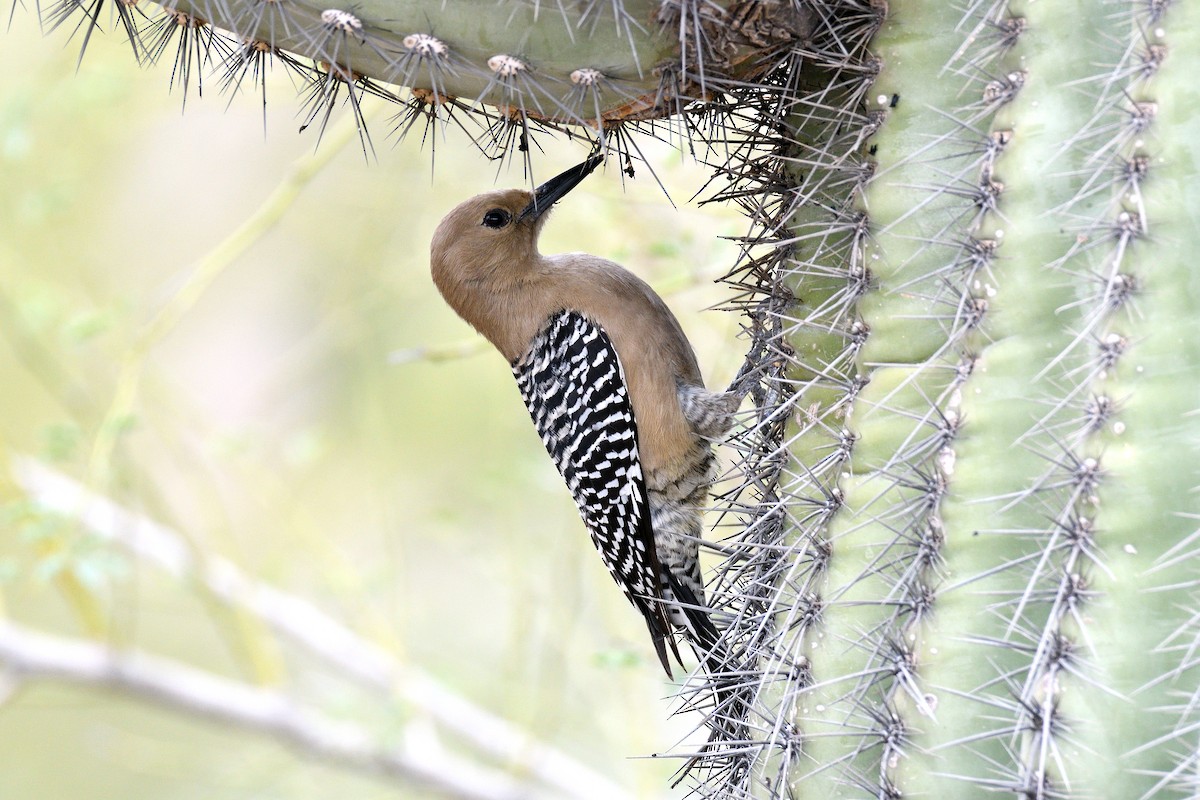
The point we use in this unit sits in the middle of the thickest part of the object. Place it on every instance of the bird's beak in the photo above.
(557, 187)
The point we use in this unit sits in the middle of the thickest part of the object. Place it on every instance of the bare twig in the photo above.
(28, 654)
(307, 626)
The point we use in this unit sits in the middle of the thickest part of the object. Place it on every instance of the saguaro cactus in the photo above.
(967, 557)
(985, 521)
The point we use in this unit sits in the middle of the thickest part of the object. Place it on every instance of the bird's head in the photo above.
(495, 234)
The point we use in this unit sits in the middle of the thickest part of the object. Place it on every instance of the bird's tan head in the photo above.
(484, 238)
(492, 238)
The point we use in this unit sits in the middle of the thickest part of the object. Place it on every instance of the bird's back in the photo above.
(654, 352)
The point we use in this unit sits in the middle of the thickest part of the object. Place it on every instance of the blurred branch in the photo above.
(307, 626)
(439, 352)
(28, 654)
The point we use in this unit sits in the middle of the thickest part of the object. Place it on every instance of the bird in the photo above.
(613, 387)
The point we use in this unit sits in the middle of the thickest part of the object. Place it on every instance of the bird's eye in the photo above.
(497, 218)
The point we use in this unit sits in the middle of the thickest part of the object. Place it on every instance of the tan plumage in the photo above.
(498, 282)
(485, 262)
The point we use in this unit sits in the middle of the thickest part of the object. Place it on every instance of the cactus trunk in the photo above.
(990, 576)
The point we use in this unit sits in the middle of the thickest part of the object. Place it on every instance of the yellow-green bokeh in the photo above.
(284, 423)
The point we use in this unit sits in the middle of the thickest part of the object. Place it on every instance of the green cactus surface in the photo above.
(1007, 591)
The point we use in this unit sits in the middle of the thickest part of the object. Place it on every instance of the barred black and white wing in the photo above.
(573, 384)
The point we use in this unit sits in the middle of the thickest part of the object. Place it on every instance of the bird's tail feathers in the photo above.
(727, 717)
(727, 720)
(660, 634)
(697, 619)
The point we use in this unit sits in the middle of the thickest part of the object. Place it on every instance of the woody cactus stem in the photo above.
(990, 575)
(594, 63)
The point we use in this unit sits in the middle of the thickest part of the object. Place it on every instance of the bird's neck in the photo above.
(507, 306)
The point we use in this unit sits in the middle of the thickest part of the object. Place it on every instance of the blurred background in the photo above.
(305, 408)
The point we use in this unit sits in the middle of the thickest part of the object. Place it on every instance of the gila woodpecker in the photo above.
(612, 385)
